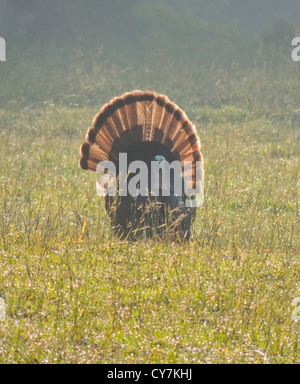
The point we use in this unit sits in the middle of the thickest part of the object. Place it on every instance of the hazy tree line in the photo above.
(197, 32)
(168, 41)
(55, 19)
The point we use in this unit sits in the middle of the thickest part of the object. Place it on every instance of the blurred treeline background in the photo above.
(83, 52)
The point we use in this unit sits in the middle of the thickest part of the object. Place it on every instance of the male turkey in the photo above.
(149, 128)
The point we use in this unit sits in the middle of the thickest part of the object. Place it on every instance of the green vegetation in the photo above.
(74, 293)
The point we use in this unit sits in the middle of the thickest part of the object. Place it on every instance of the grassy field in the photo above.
(75, 294)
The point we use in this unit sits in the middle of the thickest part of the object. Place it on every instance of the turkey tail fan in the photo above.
(145, 126)
(138, 117)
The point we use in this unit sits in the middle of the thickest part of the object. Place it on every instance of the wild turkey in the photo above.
(147, 127)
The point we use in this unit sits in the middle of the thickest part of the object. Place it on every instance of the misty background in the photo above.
(115, 20)
(82, 52)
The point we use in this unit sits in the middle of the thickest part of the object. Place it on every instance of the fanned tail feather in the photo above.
(138, 117)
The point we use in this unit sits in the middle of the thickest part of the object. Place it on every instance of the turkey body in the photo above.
(150, 216)
(148, 128)
(141, 217)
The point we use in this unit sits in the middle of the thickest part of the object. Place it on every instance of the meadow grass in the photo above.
(75, 294)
